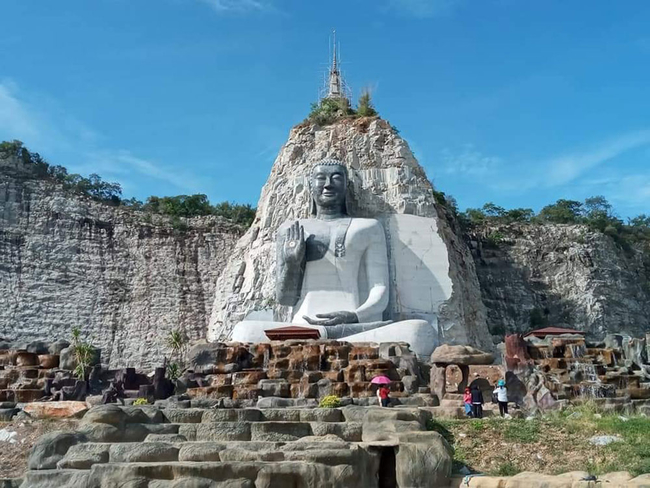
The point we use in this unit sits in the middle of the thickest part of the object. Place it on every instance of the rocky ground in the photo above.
(552, 444)
(18, 436)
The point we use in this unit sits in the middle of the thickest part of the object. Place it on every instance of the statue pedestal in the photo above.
(419, 334)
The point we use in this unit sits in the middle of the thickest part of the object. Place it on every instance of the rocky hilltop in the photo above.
(124, 277)
(386, 181)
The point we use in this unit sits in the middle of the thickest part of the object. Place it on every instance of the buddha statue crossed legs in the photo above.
(333, 270)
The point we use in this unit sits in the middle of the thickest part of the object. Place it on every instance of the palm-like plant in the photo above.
(83, 354)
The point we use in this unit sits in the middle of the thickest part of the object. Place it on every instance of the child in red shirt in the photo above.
(382, 395)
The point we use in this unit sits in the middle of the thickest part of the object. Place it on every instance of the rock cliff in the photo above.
(386, 182)
(68, 261)
(564, 276)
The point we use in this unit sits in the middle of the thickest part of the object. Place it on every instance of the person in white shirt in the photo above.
(501, 393)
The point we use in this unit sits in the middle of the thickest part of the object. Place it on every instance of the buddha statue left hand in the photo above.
(333, 318)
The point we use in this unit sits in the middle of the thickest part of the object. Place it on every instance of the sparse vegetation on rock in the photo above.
(329, 110)
(181, 206)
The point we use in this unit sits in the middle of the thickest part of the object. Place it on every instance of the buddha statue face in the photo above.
(329, 182)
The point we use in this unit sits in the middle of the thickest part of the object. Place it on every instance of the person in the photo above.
(383, 395)
(467, 400)
(501, 393)
(477, 402)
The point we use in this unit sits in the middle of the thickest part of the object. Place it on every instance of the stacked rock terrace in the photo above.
(593, 372)
(301, 369)
(616, 376)
(197, 447)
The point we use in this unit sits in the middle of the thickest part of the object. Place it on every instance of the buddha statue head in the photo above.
(328, 186)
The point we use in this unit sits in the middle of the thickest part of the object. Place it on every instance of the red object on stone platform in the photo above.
(553, 331)
(292, 332)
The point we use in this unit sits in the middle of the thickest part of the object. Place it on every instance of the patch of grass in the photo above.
(442, 427)
(507, 468)
(524, 431)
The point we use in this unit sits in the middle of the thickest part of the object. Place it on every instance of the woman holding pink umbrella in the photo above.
(383, 393)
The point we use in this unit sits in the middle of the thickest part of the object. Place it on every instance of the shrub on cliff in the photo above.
(198, 205)
(365, 107)
(329, 110)
(111, 193)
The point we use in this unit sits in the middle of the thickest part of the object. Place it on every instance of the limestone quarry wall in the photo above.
(565, 276)
(68, 261)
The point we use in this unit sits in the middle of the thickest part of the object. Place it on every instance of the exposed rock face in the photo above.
(386, 183)
(67, 261)
(565, 276)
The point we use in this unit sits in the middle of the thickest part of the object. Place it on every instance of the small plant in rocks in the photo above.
(330, 401)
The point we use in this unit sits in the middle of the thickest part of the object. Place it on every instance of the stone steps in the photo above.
(83, 456)
(148, 447)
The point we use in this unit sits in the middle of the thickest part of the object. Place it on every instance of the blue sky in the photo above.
(510, 101)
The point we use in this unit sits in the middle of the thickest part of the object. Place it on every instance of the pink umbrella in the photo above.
(380, 380)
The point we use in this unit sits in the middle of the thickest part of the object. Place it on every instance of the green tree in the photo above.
(365, 107)
(640, 222)
(562, 212)
(519, 215)
(492, 210)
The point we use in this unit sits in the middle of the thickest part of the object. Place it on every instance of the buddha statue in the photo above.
(333, 270)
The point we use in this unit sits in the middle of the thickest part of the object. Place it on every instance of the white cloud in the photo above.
(469, 162)
(424, 8)
(49, 131)
(14, 116)
(564, 169)
(238, 6)
(629, 192)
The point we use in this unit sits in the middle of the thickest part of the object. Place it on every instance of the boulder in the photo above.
(170, 438)
(537, 480)
(642, 481)
(51, 448)
(274, 388)
(38, 347)
(320, 415)
(68, 362)
(616, 478)
(105, 414)
(183, 415)
(411, 384)
(215, 356)
(276, 402)
(146, 452)
(25, 358)
(58, 346)
(83, 456)
(45, 410)
(48, 361)
(6, 414)
(279, 431)
(221, 431)
(424, 463)
(465, 355)
(232, 415)
(347, 431)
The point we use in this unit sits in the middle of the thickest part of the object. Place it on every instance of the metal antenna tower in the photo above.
(335, 86)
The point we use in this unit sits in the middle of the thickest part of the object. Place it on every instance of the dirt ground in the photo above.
(18, 436)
